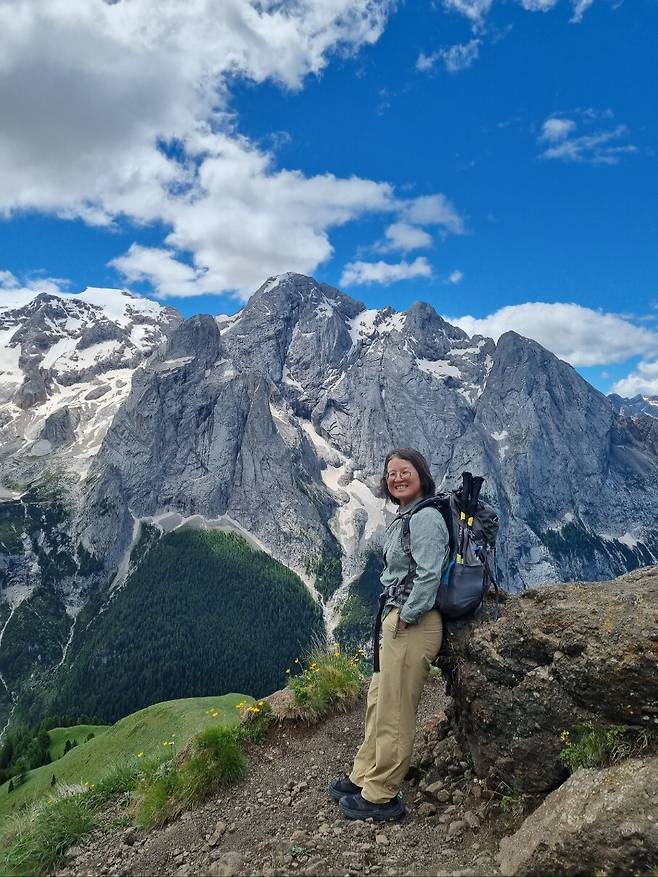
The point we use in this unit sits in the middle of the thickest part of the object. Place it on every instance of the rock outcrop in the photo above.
(598, 822)
(557, 657)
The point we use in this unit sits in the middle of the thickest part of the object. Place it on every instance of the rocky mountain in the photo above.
(276, 421)
(636, 406)
(66, 364)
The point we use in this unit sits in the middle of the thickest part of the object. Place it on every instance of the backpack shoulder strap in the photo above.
(441, 503)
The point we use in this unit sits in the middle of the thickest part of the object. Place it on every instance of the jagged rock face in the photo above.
(207, 438)
(317, 365)
(60, 355)
(598, 822)
(556, 658)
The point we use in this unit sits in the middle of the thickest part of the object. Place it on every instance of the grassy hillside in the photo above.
(59, 736)
(144, 731)
(203, 612)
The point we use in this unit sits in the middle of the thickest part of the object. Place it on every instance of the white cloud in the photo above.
(475, 10)
(15, 293)
(244, 220)
(538, 5)
(434, 210)
(361, 273)
(580, 7)
(455, 58)
(581, 336)
(461, 56)
(601, 146)
(556, 128)
(114, 110)
(405, 237)
(456, 277)
(426, 62)
(644, 380)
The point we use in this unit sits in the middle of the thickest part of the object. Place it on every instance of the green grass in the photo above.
(34, 840)
(591, 745)
(143, 731)
(214, 760)
(59, 736)
(331, 681)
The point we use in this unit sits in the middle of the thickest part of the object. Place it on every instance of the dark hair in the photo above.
(420, 465)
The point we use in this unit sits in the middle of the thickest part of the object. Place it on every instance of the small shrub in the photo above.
(255, 720)
(599, 746)
(332, 680)
(215, 759)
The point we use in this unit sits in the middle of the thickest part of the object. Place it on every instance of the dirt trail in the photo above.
(280, 820)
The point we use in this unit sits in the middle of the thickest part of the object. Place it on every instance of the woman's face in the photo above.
(402, 480)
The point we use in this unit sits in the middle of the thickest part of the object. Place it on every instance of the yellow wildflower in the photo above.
(140, 755)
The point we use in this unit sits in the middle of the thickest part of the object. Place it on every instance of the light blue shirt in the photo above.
(430, 550)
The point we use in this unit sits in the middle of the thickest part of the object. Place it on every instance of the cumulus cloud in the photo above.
(362, 273)
(644, 380)
(406, 233)
(581, 336)
(112, 111)
(405, 237)
(244, 220)
(564, 143)
(434, 210)
(456, 277)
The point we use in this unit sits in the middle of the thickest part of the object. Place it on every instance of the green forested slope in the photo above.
(202, 613)
(357, 613)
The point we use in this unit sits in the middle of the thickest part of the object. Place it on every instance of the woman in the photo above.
(412, 632)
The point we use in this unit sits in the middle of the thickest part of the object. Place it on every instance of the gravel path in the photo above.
(280, 820)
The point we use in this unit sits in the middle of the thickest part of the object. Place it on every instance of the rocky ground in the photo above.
(280, 819)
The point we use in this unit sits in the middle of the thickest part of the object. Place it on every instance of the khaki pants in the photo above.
(383, 759)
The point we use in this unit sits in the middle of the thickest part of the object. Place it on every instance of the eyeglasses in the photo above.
(406, 473)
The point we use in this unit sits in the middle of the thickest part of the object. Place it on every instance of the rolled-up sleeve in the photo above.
(429, 549)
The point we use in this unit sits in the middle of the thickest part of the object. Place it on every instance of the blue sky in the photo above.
(496, 157)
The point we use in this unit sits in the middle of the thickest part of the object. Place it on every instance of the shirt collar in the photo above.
(410, 507)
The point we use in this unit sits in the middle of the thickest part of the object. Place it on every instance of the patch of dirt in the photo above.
(280, 819)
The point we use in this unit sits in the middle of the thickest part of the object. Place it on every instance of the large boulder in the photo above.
(602, 822)
(555, 658)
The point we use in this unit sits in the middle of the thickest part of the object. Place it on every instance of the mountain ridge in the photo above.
(278, 419)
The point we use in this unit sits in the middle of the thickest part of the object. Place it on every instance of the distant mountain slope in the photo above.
(201, 612)
(637, 405)
(66, 363)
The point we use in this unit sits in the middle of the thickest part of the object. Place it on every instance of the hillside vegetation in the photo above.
(203, 612)
(145, 731)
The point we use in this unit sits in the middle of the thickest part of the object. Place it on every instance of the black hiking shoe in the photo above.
(356, 807)
(341, 786)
